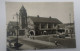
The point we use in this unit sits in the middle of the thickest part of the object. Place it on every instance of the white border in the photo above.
(3, 22)
(39, 0)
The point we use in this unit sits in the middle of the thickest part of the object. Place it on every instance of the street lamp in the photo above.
(17, 44)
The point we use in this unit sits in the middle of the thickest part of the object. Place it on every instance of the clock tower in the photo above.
(22, 18)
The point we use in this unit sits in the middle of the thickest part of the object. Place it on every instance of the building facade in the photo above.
(43, 25)
(36, 25)
(68, 28)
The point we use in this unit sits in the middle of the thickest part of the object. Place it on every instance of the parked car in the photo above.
(60, 35)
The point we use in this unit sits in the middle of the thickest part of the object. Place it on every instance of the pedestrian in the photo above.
(9, 43)
(26, 33)
(35, 48)
(56, 43)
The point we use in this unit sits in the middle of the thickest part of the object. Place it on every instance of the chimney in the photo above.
(38, 16)
(50, 17)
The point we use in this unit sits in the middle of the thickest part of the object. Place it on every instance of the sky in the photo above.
(59, 10)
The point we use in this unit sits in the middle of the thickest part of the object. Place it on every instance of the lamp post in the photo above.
(17, 30)
(16, 44)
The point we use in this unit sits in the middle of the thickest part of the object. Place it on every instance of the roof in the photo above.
(68, 25)
(12, 23)
(43, 19)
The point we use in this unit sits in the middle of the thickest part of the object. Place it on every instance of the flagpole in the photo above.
(70, 24)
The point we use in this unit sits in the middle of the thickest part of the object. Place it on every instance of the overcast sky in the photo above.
(59, 10)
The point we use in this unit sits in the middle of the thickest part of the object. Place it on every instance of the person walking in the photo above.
(56, 43)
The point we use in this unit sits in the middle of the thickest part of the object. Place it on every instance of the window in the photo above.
(50, 25)
(43, 26)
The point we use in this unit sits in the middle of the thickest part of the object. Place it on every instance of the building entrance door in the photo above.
(21, 32)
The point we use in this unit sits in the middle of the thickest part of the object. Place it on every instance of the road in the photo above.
(35, 45)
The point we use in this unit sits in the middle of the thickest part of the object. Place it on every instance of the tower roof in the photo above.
(22, 8)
